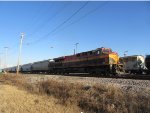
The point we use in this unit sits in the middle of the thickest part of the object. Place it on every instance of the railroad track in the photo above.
(122, 76)
(139, 77)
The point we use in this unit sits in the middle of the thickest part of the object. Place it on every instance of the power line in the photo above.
(82, 17)
(69, 18)
(49, 19)
(36, 17)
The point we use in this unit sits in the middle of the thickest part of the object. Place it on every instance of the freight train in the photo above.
(101, 61)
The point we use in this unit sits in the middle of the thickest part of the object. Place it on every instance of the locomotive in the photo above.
(99, 61)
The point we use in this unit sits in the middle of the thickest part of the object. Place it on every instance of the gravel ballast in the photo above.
(124, 84)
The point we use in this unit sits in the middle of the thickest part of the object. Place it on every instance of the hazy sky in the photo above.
(119, 25)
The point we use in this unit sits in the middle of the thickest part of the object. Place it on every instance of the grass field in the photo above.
(72, 97)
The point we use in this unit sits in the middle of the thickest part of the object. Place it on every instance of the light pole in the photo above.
(125, 53)
(76, 44)
(6, 52)
(19, 57)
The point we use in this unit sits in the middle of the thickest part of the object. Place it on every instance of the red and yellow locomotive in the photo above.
(98, 61)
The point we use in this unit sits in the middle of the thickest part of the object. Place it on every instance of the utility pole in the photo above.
(6, 52)
(76, 44)
(19, 57)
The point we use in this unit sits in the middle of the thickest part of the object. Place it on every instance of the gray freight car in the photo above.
(13, 69)
(40, 67)
(26, 68)
(7, 69)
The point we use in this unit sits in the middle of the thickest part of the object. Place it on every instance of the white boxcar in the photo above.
(26, 67)
(134, 64)
(41, 66)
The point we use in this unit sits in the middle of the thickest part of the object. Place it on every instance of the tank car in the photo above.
(134, 64)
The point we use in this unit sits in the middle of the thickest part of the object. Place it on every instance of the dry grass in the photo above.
(92, 99)
(13, 100)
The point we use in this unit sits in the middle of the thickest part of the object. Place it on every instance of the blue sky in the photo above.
(119, 25)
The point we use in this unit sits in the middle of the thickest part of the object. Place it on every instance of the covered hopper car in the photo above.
(40, 67)
(134, 64)
(26, 68)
